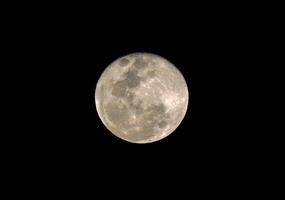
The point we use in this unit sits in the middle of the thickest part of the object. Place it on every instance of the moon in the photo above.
(141, 97)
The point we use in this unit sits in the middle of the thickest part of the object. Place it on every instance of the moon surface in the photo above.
(141, 97)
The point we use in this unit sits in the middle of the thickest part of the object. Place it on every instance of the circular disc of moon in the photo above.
(141, 97)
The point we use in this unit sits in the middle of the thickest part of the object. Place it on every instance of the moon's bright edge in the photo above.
(141, 97)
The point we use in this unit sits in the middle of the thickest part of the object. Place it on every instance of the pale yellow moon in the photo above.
(141, 97)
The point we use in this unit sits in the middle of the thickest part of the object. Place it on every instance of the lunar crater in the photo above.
(123, 62)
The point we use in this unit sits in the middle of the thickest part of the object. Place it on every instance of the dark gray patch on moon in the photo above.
(132, 79)
(140, 63)
(151, 74)
(124, 62)
(162, 124)
(119, 89)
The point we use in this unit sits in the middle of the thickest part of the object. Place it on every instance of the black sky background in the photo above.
(67, 52)
(63, 51)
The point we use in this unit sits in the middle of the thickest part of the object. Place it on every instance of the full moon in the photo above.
(141, 97)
